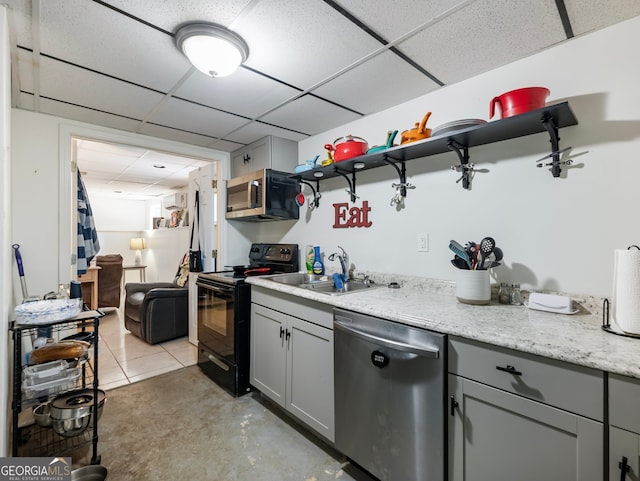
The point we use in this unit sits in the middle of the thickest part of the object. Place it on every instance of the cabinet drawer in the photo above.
(573, 388)
(624, 402)
(311, 311)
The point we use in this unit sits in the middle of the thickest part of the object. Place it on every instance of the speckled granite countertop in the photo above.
(431, 304)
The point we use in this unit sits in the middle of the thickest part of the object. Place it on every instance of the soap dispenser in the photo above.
(318, 266)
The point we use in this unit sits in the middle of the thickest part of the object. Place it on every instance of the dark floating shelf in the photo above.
(548, 119)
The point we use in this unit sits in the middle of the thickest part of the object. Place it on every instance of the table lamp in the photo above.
(137, 244)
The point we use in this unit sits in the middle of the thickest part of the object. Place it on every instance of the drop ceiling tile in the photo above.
(91, 149)
(195, 118)
(393, 19)
(224, 145)
(25, 71)
(256, 130)
(310, 115)
(82, 114)
(172, 14)
(301, 42)
(25, 101)
(177, 135)
(109, 42)
(373, 86)
(485, 35)
(243, 93)
(589, 15)
(20, 22)
(68, 84)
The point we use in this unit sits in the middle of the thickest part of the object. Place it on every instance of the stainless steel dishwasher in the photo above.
(390, 397)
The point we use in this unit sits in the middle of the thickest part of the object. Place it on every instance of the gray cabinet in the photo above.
(624, 428)
(518, 416)
(266, 153)
(292, 357)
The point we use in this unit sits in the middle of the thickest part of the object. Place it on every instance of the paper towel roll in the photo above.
(626, 290)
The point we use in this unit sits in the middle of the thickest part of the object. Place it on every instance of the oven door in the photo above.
(216, 319)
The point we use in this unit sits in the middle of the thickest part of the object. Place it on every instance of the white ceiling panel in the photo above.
(373, 86)
(104, 40)
(589, 15)
(393, 19)
(66, 83)
(256, 130)
(174, 134)
(26, 71)
(310, 115)
(83, 114)
(169, 14)
(485, 35)
(20, 21)
(308, 41)
(244, 93)
(195, 118)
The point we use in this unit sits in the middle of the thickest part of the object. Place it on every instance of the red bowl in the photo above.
(519, 101)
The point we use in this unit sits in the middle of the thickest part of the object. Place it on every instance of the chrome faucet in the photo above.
(344, 262)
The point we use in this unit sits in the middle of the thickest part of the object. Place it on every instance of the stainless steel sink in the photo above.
(298, 278)
(320, 284)
(330, 288)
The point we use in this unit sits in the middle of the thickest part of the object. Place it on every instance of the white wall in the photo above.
(5, 224)
(556, 234)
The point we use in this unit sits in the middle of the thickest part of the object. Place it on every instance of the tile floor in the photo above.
(125, 359)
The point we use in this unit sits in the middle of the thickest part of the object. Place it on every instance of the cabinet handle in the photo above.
(246, 158)
(624, 468)
(453, 405)
(281, 332)
(510, 370)
(288, 335)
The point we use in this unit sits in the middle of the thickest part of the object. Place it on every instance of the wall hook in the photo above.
(352, 183)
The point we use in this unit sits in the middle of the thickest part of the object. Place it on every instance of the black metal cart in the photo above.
(31, 439)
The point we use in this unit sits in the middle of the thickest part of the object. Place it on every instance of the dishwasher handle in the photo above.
(398, 346)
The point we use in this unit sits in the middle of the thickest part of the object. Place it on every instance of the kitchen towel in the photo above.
(626, 290)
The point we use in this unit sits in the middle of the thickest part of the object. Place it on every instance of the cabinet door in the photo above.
(497, 435)
(254, 156)
(310, 376)
(268, 355)
(624, 444)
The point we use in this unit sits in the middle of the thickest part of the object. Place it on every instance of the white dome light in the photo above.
(212, 49)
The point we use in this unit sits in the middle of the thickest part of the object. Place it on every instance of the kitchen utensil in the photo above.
(347, 147)
(257, 271)
(457, 249)
(89, 473)
(486, 247)
(71, 412)
(419, 132)
(458, 262)
(498, 252)
(42, 415)
(519, 101)
(391, 135)
(456, 125)
(300, 199)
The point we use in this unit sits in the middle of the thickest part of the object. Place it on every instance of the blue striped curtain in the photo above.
(88, 244)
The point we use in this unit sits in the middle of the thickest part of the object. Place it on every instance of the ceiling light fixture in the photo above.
(212, 49)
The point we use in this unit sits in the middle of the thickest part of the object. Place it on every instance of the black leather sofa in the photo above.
(156, 311)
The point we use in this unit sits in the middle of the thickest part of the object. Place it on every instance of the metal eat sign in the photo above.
(351, 217)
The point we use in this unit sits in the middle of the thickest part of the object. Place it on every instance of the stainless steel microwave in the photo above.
(262, 195)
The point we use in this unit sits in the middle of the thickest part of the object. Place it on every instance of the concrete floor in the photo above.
(181, 425)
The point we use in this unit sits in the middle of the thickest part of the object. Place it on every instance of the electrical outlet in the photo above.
(423, 242)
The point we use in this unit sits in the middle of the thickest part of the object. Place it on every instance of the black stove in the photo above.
(224, 314)
(263, 259)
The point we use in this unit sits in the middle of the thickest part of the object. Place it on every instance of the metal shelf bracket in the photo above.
(352, 182)
(316, 192)
(402, 174)
(465, 167)
(551, 127)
